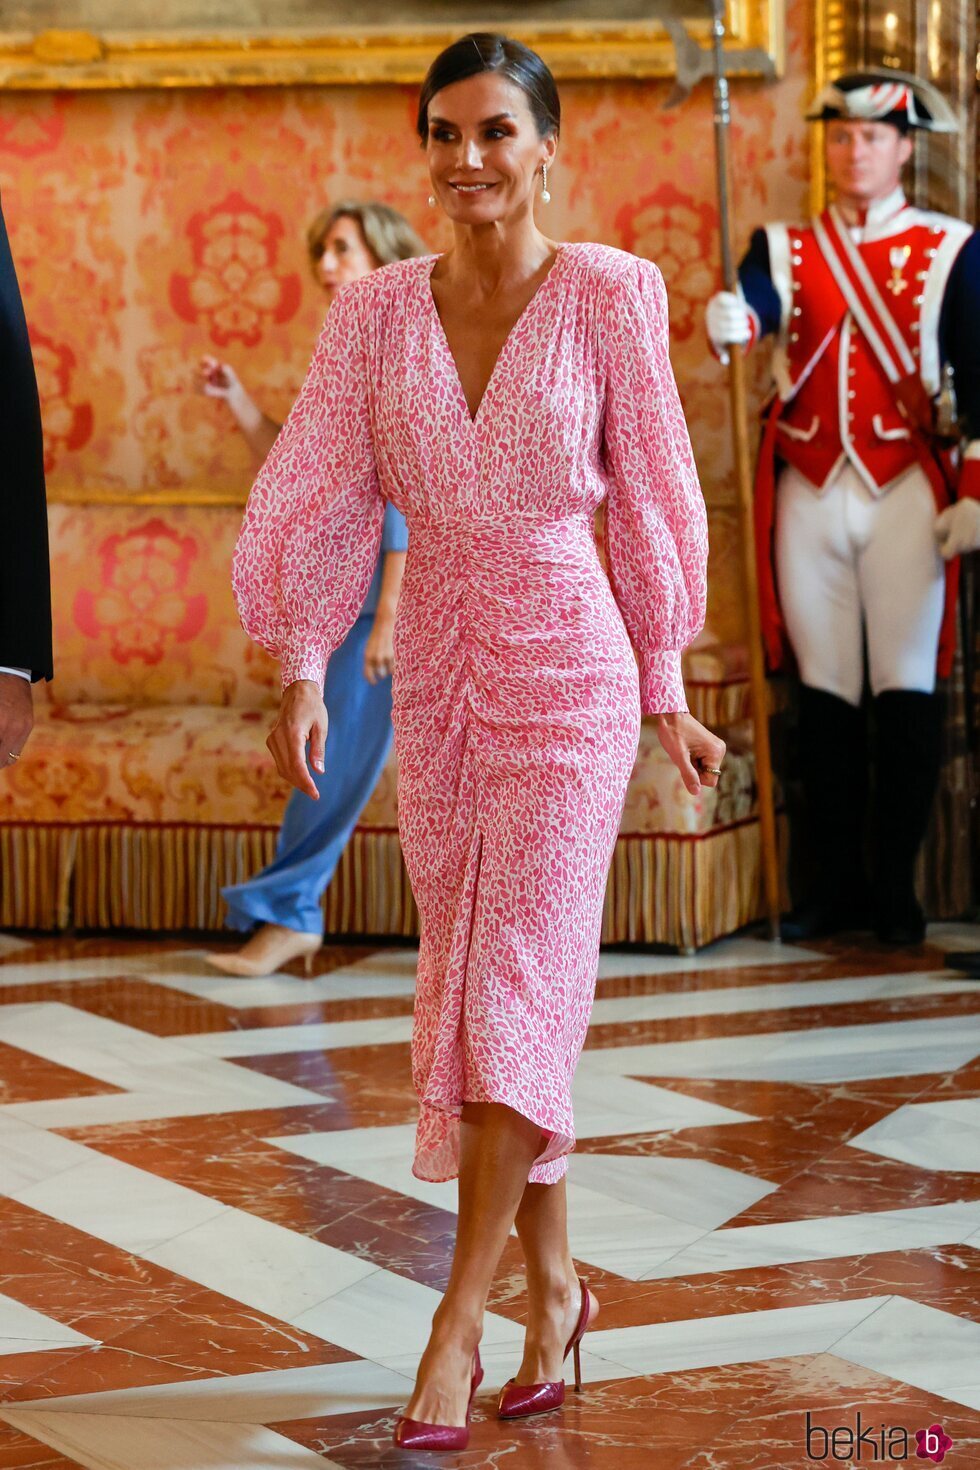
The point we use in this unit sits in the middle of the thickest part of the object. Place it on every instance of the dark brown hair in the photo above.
(484, 51)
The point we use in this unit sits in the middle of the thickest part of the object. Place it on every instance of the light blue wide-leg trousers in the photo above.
(315, 833)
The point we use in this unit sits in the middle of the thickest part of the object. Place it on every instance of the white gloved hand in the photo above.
(958, 528)
(727, 320)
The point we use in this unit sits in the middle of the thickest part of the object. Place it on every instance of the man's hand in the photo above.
(302, 718)
(16, 717)
(958, 528)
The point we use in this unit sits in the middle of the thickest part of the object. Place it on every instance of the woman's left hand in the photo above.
(379, 653)
(696, 753)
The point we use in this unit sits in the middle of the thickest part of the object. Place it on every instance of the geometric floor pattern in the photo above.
(215, 1257)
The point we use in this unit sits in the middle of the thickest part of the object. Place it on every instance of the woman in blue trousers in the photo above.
(282, 903)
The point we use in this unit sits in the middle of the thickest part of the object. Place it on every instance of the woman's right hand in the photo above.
(302, 718)
(218, 379)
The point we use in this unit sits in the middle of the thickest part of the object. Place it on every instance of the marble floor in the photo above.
(215, 1256)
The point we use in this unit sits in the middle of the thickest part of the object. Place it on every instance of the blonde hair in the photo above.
(387, 234)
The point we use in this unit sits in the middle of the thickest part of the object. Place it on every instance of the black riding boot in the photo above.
(908, 744)
(834, 775)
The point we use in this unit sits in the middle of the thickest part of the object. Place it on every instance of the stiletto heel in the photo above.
(518, 1400)
(267, 951)
(415, 1434)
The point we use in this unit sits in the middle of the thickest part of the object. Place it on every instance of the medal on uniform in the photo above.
(898, 258)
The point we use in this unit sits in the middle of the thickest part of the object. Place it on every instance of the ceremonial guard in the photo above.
(865, 498)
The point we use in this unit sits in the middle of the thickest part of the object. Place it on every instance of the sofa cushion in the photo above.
(195, 765)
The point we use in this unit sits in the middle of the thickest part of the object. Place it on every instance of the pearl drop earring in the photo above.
(432, 201)
(545, 193)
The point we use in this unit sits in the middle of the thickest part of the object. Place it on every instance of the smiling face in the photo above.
(484, 150)
(865, 159)
(345, 255)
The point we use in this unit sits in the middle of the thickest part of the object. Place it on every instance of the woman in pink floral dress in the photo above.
(496, 395)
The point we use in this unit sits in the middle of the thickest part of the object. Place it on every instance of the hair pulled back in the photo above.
(485, 51)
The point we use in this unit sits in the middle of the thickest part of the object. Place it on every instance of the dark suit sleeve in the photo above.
(959, 332)
(755, 275)
(25, 583)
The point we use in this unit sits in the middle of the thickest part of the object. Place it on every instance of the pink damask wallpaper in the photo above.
(149, 228)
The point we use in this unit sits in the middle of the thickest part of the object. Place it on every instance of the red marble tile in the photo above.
(130, 999)
(25, 1077)
(19, 1452)
(727, 1418)
(153, 1326)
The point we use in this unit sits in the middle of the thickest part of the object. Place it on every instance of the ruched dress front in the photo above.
(517, 696)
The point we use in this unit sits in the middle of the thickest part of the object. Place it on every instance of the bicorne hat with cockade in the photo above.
(896, 97)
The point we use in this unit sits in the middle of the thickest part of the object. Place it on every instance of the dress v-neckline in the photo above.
(474, 418)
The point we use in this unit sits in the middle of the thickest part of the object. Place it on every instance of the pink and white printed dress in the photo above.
(517, 696)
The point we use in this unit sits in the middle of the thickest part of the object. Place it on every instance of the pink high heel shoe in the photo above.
(518, 1400)
(413, 1434)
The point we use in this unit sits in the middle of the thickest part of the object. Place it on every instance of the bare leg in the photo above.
(497, 1148)
(553, 1294)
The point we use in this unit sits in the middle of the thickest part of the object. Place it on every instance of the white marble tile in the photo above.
(741, 1337)
(11, 944)
(33, 970)
(778, 996)
(23, 1330)
(261, 1264)
(381, 1155)
(115, 1202)
(621, 1237)
(100, 1048)
(29, 1155)
(317, 1036)
(830, 1237)
(388, 1318)
(162, 1077)
(823, 1054)
(954, 935)
(727, 954)
(627, 1214)
(731, 1000)
(387, 973)
(919, 1345)
(274, 1397)
(938, 1135)
(608, 1100)
(693, 1190)
(103, 1442)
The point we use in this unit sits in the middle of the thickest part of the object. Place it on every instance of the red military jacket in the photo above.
(833, 402)
(837, 403)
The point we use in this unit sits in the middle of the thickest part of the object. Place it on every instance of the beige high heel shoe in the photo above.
(267, 951)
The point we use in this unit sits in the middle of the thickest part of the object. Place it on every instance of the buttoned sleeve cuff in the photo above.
(662, 683)
(303, 661)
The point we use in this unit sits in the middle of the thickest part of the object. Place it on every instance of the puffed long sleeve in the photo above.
(656, 526)
(311, 535)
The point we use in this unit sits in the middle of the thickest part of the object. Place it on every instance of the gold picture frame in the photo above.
(88, 57)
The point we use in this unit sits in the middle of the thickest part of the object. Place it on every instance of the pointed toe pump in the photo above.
(414, 1434)
(518, 1400)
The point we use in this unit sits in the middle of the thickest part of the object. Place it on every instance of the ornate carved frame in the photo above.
(81, 59)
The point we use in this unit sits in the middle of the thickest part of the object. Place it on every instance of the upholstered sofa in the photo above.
(147, 785)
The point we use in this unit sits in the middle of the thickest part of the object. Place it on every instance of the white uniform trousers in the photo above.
(857, 570)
